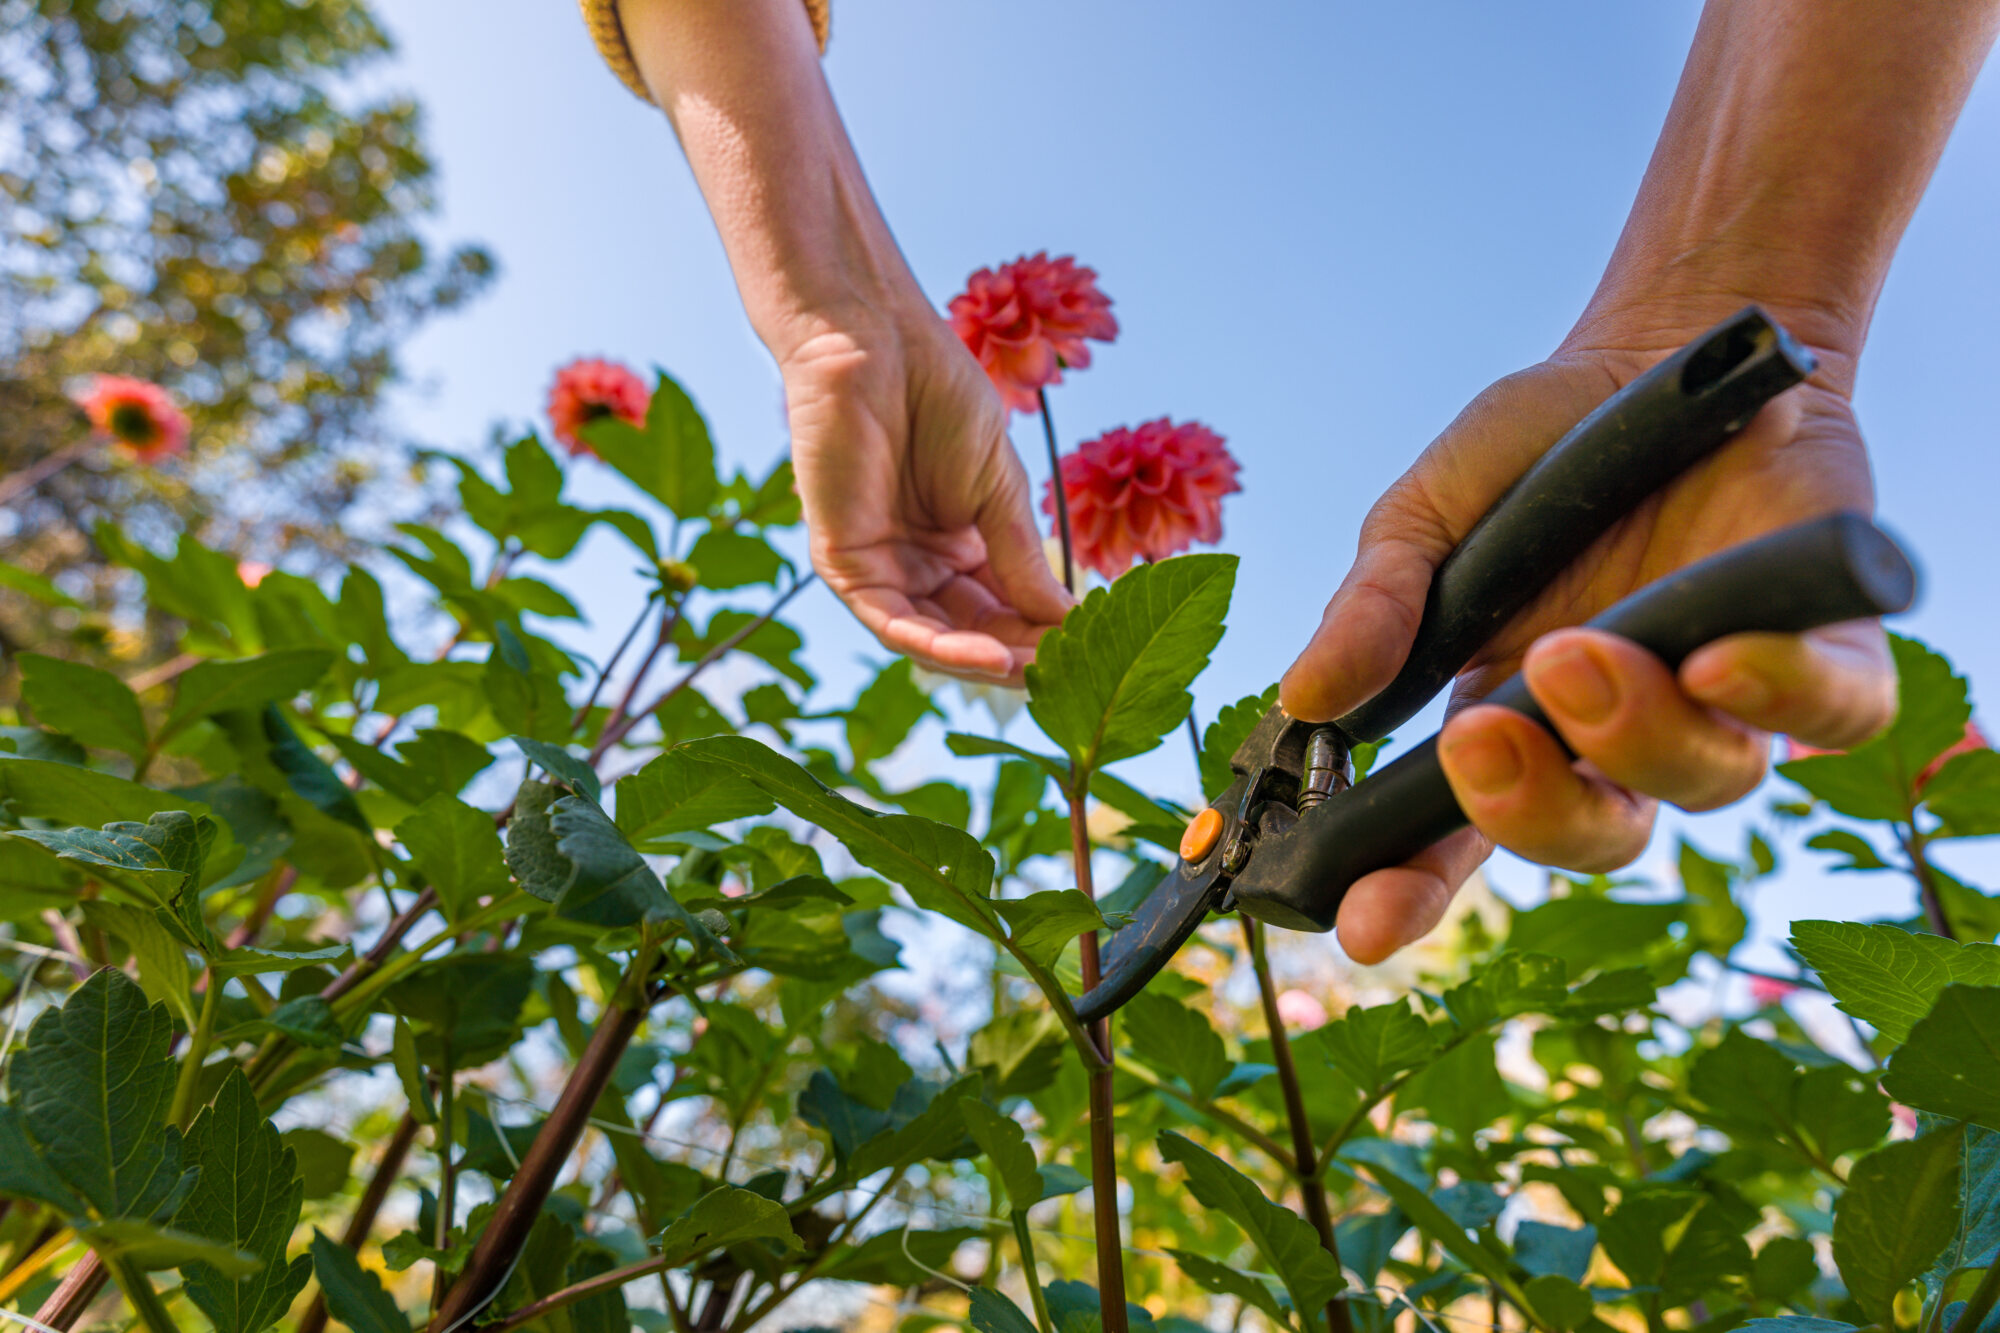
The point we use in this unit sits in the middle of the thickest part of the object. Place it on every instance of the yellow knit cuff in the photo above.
(601, 17)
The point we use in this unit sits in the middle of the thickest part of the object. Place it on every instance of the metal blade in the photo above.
(1169, 915)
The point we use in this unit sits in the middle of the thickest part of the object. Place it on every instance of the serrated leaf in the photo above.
(1232, 726)
(1752, 1088)
(1005, 1144)
(159, 862)
(566, 768)
(944, 869)
(937, 1131)
(990, 1312)
(1176, 1040)
(23, 1172)
(91, 1087)
(671, 457)
(1432, 1220)
(610, 884)
(1373, 1045)
(1887, 976)
(215, 687)
(531, 843)
(1965, 794)
(1112, 679)
(458, 850)
(44, 789)
(1223, 1280)
(248, 1197)
(1950, 1063)
(354, 1295)
(1976, 1239)
(724, 1217)
(1878, 780)
(163, 966)
(724, 558)
(1899, 1210)
(83, 702)
(1042, 924)
(1285, 1239)
(678, 793)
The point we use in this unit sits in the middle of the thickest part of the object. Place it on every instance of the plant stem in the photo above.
(1981, 1304)
(372, 1198)
(275, 886)
(392, 935)
(612, 736)
(1312, 1188)
(1270, 1147)
(1103, 1145)
(145, 1301)
(1026, 1244)
(590, 1286)
(182, 1109)
(1056, 488)
(74, 1293)
(20, 483)
(582, 714)
(164, 672)
(447, 1205)
(515, 1213)
(1927, 885)
(623, 708)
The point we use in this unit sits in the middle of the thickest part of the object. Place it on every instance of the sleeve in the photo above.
(601, 17)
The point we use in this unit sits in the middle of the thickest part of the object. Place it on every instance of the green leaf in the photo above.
(1176, 1040)
(967, 746)
(458, 850)
(325, 1162)
(1005, 1144)
(1887, 976)
(891, 1258)
(773, 643)
(1715, 922)
(248, 1197)
(1950, 1063)
(410, 1073)
(671, 458)
(251, 961)
(471, 1000)
(215, 687)
(1976, 1242)
(1041, 924)
(1878, 781)
(1433, 1221)
(1112, 679)
(23, 1172)
(163, 964)
(310, 777)
(1587, 931)
(44, 789)
(724, 559)
(882, 715)
(1561, 1303)
(1860, 853)
(531, 843)
(990, 1312)
(306, 1019)
(1965, 794)
(1023, 1048)
(149, 1248)
(86, 703)
(354, 1295)
(937, 1131)
(562, 766)
(1232, 726)
(1675, 1239)
(1462, 1089)
(1899, 1210)
(1285, 1239)
(1223, 1280)
(1752, 1088)
(31, 584)
(444, 760)
(1785, 1266)
(1373, 1045)
(944, 869)
(1540, 1247)
(1794, 1323)
(610, 884)
(158, 862)
(724, 1217)
(91, 1087)
(679, 793)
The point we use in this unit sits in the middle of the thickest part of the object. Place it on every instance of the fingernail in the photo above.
(1572, 679)
(1486, 762)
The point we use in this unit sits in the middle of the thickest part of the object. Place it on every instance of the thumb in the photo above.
(1015, 559)
(1366, 630)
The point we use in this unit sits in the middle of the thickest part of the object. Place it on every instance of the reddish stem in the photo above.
(1057, 489)
(260, 911)
(1103, 1146)
(363, 1221)
(74, 1293)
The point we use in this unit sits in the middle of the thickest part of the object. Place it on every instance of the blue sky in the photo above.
(1325, 227)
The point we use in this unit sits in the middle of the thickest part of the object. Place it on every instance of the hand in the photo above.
(916, 503)
(1697, 738)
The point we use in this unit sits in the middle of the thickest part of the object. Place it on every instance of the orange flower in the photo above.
(587, 389)
(1973, 739)
(138, 416)
(1145, 493)
(1026, 322)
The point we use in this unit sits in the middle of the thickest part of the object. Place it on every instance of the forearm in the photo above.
(1799, 141)
(741, 82)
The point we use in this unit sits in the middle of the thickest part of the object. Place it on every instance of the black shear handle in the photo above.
(1799, 578)
(1641, 438)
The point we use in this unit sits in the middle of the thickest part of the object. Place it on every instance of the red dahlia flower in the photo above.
(1973, 739)
(586, 390)
(139, 416)
(1026, 321)
(1149, 492)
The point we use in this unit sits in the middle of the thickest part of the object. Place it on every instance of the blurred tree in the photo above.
(197, 193)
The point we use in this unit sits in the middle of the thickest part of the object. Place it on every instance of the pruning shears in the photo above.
(1292, 832)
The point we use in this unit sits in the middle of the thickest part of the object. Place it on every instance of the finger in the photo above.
(1392, 908)
(1621, 708)
(1832, 688)
(1364, 634)
(1018, 569)
(934, 643)
(1518, 788)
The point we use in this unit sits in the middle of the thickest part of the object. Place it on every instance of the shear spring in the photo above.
(1325, 768)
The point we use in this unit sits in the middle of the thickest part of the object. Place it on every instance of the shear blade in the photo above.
(1133, 955)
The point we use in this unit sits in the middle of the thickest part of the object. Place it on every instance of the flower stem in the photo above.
(1027, 1247)
(1312, 1187)
(372, 1198)
(1103, 1146)
(33, 475)
(182, 1109)
(1927, 885)
(1056, 488)
(582, 713)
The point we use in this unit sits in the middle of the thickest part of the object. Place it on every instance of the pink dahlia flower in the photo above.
(1028, 320)
(1145, 493)
(587, 389)
(1296, 1009)
(1767, 991)
(138, 416)
(252, 572)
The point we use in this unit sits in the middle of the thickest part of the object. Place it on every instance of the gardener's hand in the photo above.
(916, 504)
(1644, 733)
